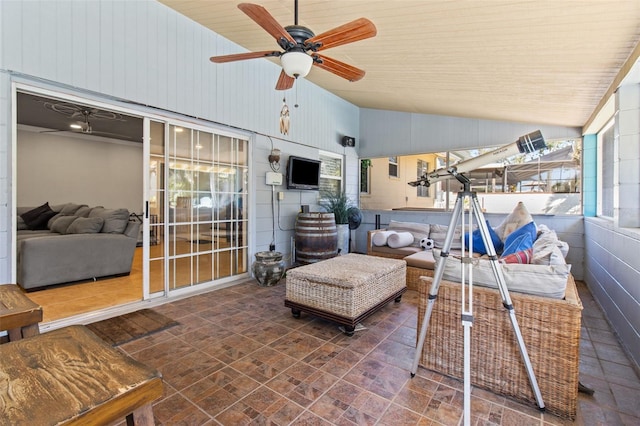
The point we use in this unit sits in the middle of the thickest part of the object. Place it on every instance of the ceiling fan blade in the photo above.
(263, 18)
(242, 56)
(116, 135)
(284, 81)
(339, 68)
(350, 32)
(54, 131)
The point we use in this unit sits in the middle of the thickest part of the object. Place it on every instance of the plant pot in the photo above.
(268, 268)
(343, 238)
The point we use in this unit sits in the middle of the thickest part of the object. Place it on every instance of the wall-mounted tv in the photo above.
(303, 173)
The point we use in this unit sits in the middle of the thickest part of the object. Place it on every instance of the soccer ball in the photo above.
(426, 243)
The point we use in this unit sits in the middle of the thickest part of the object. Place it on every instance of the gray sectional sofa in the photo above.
(73, 242)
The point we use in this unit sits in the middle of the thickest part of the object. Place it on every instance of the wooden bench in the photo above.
(70, 376)
(19, 315)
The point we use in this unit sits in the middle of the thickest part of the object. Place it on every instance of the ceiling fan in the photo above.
(84, 126)
(301, 46)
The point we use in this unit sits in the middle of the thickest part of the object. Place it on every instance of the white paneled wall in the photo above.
(612, 272)
(5, 178)
(144, 53)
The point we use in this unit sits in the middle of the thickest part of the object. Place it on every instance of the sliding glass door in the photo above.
(197, 214)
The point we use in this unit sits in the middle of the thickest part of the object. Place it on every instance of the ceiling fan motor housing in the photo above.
(299, 33)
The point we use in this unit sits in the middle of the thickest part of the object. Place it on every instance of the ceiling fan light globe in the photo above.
(296, 64)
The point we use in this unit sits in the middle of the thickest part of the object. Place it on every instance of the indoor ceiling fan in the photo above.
(84, 125)
(301, 46)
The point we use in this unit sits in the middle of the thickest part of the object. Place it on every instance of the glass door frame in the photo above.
(168, 123)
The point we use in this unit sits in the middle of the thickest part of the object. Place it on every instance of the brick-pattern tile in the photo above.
(239, 357)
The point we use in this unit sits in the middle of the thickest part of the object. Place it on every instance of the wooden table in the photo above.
(19, 315)
(71, 376)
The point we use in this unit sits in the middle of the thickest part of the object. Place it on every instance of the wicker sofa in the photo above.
(550, 329)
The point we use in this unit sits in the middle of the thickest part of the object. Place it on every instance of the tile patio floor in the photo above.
(239, 357)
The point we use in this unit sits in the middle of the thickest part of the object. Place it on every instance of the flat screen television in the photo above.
(303, 173)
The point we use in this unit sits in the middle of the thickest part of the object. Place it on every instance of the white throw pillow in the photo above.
(418, 230)
(547, 248)
(400, 239)
(380, 238)
(518, 218)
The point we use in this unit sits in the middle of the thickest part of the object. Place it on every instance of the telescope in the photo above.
(524, 145)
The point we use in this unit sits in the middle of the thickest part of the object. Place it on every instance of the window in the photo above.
(365, 175)
(423, 168)
(606, 164)
(330, 173)
(551, 178)
(393, 167)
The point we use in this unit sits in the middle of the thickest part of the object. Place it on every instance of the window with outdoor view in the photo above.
(423, 168)
(330, 173)
(365, 180)
(393, 166)
(606, 152)
(550, 177)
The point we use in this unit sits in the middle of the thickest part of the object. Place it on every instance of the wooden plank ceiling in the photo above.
(548, 62)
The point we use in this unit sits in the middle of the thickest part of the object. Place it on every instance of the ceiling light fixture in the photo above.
(75, 126)
(296, 63)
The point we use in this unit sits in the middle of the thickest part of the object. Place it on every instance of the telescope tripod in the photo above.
(467, 292)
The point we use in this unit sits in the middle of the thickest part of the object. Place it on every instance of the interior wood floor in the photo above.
(67, 300)
(78, 298)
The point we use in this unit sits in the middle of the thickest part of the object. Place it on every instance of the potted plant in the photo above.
(339, 204)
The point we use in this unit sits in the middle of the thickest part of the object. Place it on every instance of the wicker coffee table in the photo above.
(345, 289)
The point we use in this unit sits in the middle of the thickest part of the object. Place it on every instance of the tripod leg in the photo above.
(506, 299)
(467, 323)
(435, 284)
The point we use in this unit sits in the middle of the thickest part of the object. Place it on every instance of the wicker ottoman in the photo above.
(345, 289)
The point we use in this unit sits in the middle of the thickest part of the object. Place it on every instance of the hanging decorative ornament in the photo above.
(284, 117)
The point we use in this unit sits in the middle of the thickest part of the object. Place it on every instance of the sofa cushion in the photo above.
(547, 248)
(86, 225)
(523, 256)
(84, 211)
(38, 217)
(62, 223)
(418, 230)
(400, 239)
(519, 217)
(22, 226)
(438, 234)
(539, 280)
(422, 260)
(396, 252)
(478, 243)
(115, 220)
(520, 239)
(380, 238)
(71, 208)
